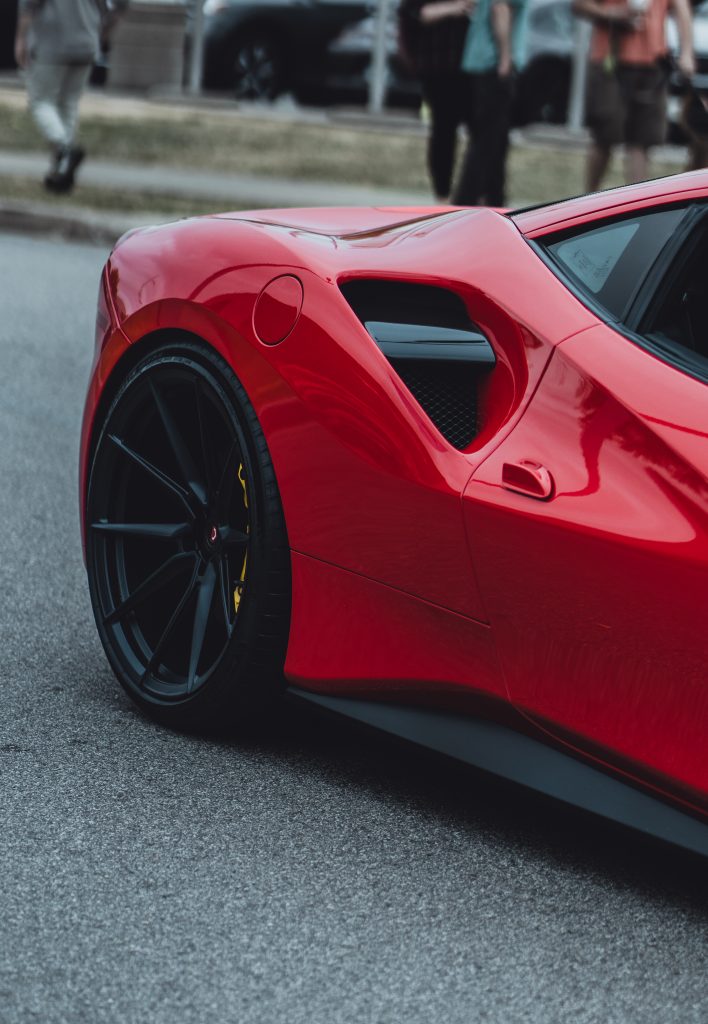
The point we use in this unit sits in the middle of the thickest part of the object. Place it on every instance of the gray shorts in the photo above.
(627, 105)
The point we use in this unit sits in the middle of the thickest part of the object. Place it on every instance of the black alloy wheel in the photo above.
(257, 67)
(187, 553)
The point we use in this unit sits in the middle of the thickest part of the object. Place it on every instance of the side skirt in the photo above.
(515, 756)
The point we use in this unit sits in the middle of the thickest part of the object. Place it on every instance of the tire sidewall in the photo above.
(227, 688)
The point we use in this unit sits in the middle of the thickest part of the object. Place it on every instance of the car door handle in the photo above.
(528, 478)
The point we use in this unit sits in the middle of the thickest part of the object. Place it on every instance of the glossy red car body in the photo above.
(550, 575)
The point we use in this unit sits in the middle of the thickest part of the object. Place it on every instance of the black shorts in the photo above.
(627, 105)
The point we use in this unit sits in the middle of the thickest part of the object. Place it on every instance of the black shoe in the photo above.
(66, 162)
(54, 182)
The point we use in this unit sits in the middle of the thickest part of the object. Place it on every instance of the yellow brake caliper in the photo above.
(239, 586)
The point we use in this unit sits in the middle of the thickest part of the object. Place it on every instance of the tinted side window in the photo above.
(609, 261)
(678, 315)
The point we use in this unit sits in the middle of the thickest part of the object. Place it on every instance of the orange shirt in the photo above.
(634, 46)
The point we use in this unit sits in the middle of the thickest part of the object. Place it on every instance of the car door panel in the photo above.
(596, 593)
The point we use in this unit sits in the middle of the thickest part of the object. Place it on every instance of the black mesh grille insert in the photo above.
(448, 393)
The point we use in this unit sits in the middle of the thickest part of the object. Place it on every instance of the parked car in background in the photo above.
(250, 50)
(351, 51)
(258, 50)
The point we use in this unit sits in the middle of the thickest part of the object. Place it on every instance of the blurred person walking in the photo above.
(494, 50)
(627, 79)
(432, 36)
(57, 42)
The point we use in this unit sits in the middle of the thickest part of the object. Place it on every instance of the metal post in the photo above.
(576, 100)
(377, 82)
(196, 50)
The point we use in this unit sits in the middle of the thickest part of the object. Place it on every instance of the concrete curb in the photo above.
(70, 223)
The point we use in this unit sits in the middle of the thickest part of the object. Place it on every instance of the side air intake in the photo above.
(427, 336)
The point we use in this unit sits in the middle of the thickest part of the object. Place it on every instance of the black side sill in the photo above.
(513, 755)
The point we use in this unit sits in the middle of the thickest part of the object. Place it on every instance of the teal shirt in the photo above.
(480, 52)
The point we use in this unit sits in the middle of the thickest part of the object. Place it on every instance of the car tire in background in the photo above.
(187, 552)
(258, 66)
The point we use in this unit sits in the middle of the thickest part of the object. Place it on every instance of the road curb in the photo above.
(70, 223)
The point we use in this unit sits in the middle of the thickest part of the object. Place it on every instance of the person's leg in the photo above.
(68, 158)
(598, 160)
(442, 140)
(44, 83)
(644, 89)
(606, 116)
(493, 139)
(482, 180)
(636, 164)
(697, 153)
(469, 190)
(73, 83)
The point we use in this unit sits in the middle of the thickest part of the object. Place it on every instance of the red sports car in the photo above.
(443, 470)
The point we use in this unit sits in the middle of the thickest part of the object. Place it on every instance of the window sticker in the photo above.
(593, 256)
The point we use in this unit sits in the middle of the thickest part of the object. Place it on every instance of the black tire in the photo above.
(257, 67)
(187, 552)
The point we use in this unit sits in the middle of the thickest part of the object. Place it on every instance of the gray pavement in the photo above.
(241, 190)
(101, 227)
(226, 191)
(312, 874)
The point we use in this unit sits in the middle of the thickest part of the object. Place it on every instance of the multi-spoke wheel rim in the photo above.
(256, 71)
(170, 524)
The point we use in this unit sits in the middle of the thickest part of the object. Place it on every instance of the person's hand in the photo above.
(466, 7)
(504, 67)
(686, 64)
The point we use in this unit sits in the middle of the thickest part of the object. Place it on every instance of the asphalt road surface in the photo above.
(315, 874)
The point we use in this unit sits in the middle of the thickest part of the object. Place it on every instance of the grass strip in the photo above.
(276, 148)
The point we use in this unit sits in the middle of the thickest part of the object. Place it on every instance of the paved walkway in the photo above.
(239, 190)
